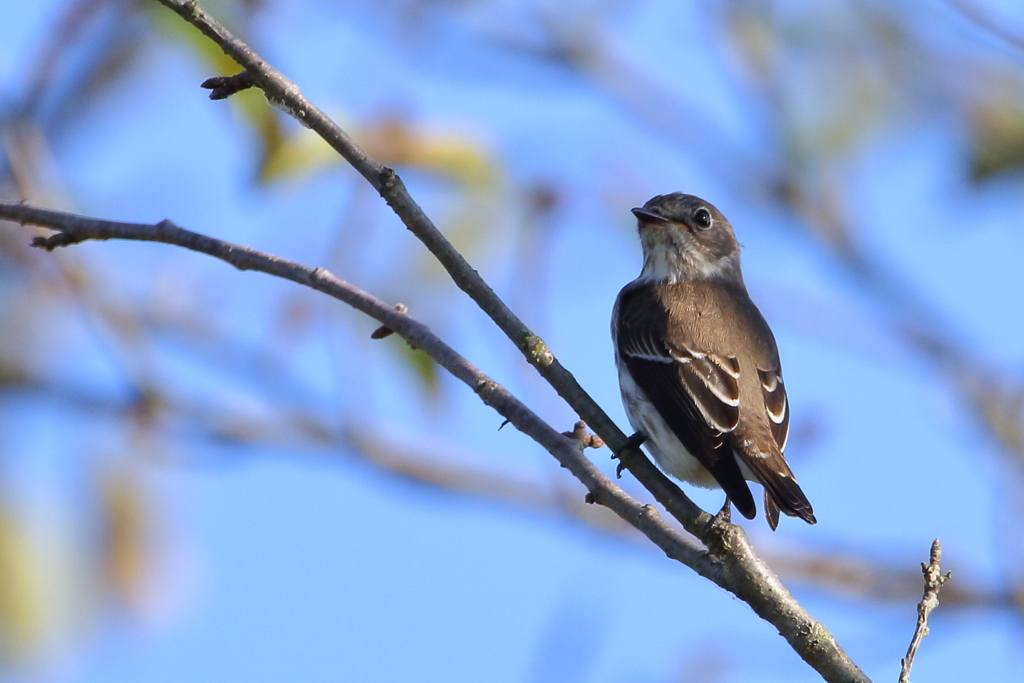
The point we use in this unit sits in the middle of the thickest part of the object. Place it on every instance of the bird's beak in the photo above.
(645, 216)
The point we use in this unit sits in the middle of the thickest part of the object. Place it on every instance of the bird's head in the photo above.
(686, 238)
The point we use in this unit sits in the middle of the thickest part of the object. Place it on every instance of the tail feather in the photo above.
(786, 496)
(781, 488)
(771, 511)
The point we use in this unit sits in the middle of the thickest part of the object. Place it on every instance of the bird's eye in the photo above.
(702, 219)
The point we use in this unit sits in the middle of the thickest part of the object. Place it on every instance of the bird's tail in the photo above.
(781, 491)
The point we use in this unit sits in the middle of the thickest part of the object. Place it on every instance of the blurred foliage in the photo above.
(21, 608)
(392, 141)
(997, 136)
(61, 576)
(130, 539)
(422, 365)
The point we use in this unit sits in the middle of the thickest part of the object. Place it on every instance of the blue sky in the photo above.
(286, 561)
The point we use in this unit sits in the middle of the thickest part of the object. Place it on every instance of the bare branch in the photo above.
(284, 94)
(737, 567)
(933, 580)
(843, 576)
(73, 229)
(729, 562)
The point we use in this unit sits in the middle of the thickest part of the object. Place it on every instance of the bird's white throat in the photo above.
(669, 262)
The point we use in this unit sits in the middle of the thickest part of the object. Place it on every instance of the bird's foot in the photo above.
(724, 515)
(634, 441)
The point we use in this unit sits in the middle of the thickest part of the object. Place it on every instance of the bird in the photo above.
(698, 366)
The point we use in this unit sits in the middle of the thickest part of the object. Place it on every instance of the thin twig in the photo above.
(729, 562)
(933, 580)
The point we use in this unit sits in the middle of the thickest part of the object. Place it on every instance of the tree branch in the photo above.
(738, 569)
(285, 95)
(933, 580)
(732, 563)
(729, 562)
(73, 229)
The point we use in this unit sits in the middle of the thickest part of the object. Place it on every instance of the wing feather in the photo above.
(776, 405)
(697, 395)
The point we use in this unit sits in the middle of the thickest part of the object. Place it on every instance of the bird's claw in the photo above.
(632, 442)
(724, 515)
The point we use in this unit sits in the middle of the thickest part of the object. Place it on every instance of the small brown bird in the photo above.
(698, 367)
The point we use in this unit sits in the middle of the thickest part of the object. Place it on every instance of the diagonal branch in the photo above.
(745, 574)
(73, 229)
(285, 95)
(730, 561)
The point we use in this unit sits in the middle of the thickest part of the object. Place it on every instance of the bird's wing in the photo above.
(696, 393)
(764, 435)
(781, 491)
(776, 405)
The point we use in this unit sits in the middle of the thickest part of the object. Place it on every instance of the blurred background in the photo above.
(213, 475)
